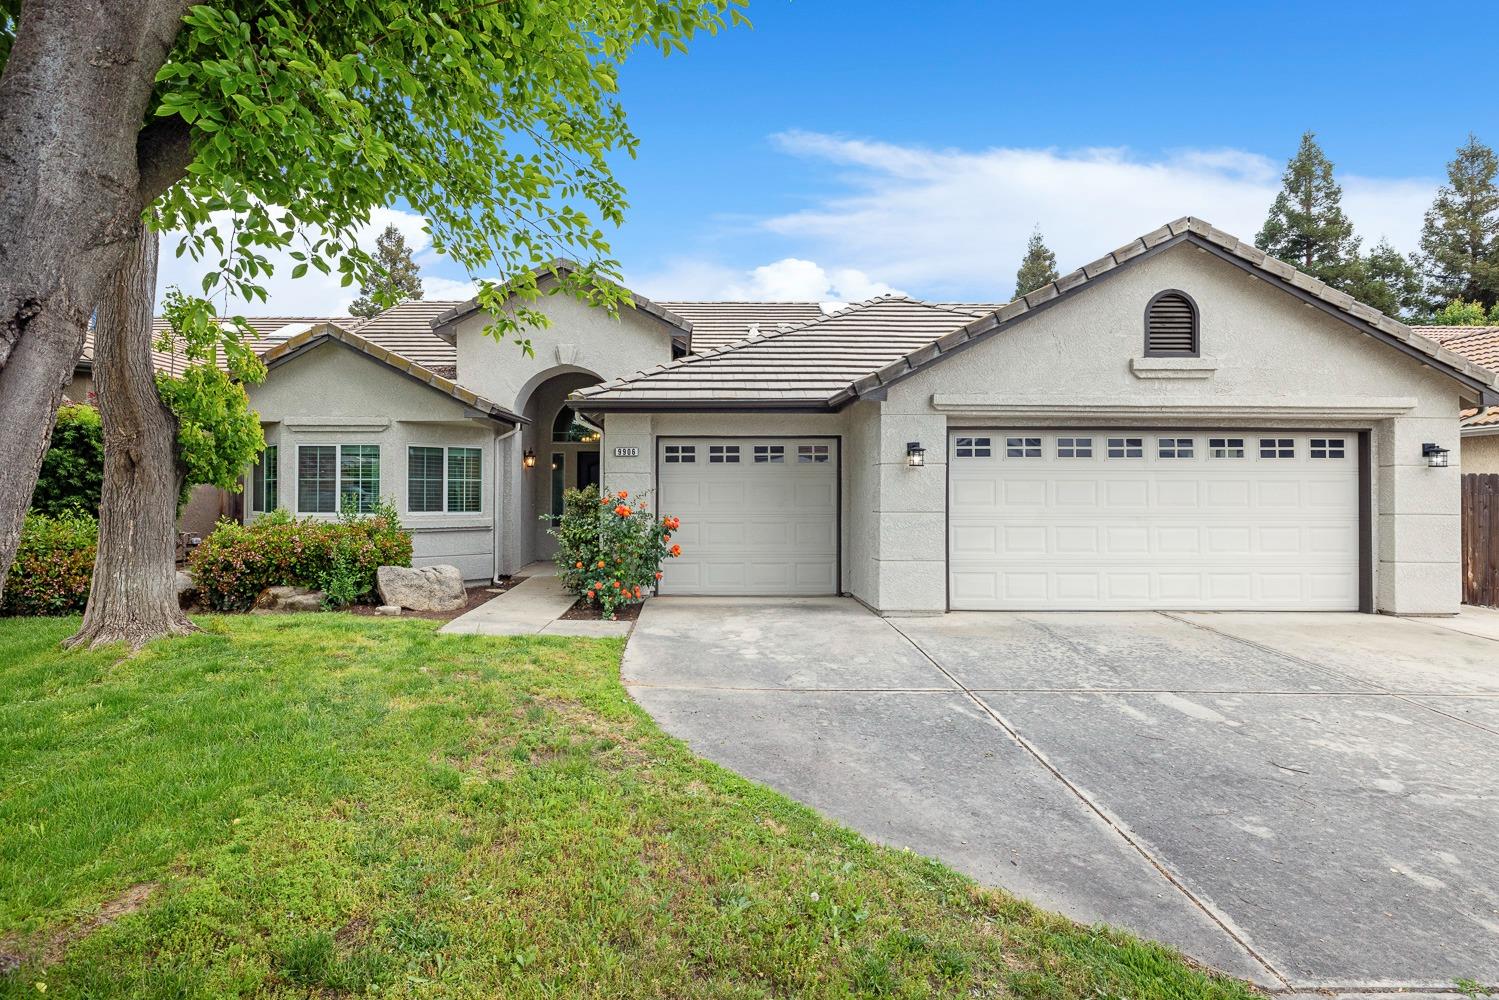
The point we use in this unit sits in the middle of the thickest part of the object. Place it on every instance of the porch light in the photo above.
(1435, 455)
(915, 454)
(529, 459)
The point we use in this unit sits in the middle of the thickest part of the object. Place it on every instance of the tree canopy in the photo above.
(1460, 234)
(396, 277)
(1038, 267)
(1306, 226)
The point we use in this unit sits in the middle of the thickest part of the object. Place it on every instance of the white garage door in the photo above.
(1246, 520)
(759, 515)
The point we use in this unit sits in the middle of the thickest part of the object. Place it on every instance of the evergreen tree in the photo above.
(395, 277)
(1306, 226)
(1387, 281)
(1459, 249)
(1037, 268)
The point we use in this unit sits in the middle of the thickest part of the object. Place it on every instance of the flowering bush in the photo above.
(609, 552)
(237, 562)
(54, 565)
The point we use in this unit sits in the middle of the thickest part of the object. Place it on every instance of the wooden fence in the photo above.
(1481, 540)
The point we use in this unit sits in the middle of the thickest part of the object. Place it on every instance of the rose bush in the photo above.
(608, 552)
(237, 562)
(54, 565)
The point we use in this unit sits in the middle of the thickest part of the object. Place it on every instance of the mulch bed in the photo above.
(585, 612)
(476, 596)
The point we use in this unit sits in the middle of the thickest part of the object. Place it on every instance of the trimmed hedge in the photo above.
(54, 565)
(235, 563)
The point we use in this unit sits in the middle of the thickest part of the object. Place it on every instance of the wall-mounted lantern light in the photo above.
(915, 454)
(529, 459)
(1435, 455)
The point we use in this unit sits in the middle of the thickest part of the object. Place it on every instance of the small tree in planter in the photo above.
(609, 552)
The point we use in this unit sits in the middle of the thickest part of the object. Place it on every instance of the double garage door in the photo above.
(1111, 519)
(759, 515)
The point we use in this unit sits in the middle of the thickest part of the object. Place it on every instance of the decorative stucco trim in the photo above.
(1207, 408)
(1161, 366)
(339, 426)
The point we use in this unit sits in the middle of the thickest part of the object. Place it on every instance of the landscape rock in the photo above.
(431, 588)
(388, 609)
(274, 600)
(187, 587)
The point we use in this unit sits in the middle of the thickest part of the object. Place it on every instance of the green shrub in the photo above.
(609, 552)
(53, 566)
(236, 562)
(73, 468)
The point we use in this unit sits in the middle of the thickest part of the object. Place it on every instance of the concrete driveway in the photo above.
(1307, 801)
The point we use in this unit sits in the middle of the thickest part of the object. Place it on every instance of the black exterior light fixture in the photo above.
(529, 459)
(1435, 455)
(915, 454)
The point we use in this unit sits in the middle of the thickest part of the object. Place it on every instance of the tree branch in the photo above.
(163, 150)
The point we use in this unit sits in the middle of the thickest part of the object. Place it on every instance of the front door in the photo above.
(588, 469)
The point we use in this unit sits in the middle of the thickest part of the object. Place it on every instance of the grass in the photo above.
(327, 805)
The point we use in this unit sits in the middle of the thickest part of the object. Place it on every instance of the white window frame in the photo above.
(338, 473)
(447, 471)
(258, 479)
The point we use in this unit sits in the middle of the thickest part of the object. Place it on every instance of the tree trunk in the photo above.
(134, 593)
(76, 170)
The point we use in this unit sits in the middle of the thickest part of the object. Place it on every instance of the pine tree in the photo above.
(1460, 237)
(1037, 268)
(1306, 226)
(1384, 279)
(395, 278)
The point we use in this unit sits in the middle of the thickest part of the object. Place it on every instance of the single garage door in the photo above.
(759, 515)
(1220, 520)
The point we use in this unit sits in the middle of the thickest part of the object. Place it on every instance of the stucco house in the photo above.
(1480, 426)
(1183, 423)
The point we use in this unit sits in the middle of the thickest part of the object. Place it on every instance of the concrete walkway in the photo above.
(532, 607)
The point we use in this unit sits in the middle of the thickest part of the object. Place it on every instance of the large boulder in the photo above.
(431, 588)
(275, 600)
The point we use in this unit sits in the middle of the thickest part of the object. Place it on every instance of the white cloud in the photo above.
(313, 294)
(951, 222)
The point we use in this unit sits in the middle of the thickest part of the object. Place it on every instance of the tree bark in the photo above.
(76, 171)
(134, 593)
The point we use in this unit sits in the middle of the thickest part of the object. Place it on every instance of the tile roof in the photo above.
(1479, 344)
(1486, 417)
(792, 367)
(1442, 334)
(715, 324)
(305, 341)
(406, 329)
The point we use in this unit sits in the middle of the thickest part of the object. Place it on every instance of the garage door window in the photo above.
(1225, 447)
(1277, 448)
(681, 453)
(1074, 447)
(770, 453)
(811, 453)
(719, 454)
(1126, 448)
(971, 447)
(1175, 447)
(1022, 447)
(1327, 448)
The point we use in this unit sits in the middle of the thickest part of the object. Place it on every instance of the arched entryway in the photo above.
(566, 453)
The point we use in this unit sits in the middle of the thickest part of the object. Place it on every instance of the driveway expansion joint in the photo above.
(1103, 814)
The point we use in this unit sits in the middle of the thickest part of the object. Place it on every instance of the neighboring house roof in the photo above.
(1486, 418)
(718, 376)
(562, 266)
(1442, 334)
(329, 333)
(715, 324)
(790, 368)
(1479, 344)
(406, 329)
(263, 333)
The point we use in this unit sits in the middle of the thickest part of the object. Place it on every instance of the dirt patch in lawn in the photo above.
(50, 950)
(475, 597)
(583, 611)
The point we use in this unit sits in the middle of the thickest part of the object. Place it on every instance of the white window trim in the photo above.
(338, 474)
(447, 465)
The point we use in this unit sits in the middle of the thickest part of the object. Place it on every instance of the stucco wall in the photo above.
(580, 338)
(1271, 352)
(1481, 453)
(333, 395)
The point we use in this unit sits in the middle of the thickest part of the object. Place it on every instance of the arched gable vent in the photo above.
(1171, 326)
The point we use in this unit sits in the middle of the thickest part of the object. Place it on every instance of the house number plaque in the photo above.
(626, 452)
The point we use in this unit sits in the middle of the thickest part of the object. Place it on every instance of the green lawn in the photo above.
(333, 806)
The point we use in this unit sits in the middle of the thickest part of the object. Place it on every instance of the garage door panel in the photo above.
(752, 526)
(1221, 528)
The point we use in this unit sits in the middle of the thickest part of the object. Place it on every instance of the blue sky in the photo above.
(839, 150)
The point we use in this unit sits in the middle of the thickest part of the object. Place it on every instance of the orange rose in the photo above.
(676, 550)
(616, 584)
(637, 591)
(622, 510)
(578, 566)
(658, 576)
(601, 564)
(624, 494)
